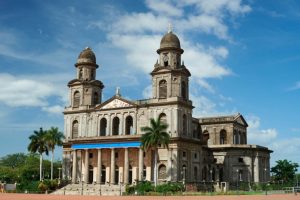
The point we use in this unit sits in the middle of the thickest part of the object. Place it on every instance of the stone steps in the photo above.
(90, 189)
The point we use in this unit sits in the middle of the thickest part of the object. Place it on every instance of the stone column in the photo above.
(112, 166)
(169, 165)
(86, 171)
(99, 167)
(121, 125)
(126, 166)
(74, 169)
(141, 164)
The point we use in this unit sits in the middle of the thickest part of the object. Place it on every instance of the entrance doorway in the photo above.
(130, 175)
(103, 174)
(91, 174)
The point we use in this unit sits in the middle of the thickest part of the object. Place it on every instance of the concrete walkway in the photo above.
(219, 197)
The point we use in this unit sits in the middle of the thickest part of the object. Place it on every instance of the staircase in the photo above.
(91, 189)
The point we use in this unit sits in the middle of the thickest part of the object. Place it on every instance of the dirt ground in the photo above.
(70, 197)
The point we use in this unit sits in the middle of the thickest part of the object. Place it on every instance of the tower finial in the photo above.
(118, 94)
(170, 28)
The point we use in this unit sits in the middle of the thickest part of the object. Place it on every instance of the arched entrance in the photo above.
(103, 174)
(130, 175)
(91, 174)
(117, 174)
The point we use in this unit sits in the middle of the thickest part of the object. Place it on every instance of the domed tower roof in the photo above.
(170, 41)
(87, 56)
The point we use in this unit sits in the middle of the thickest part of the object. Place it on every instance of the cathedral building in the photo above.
(102, 138)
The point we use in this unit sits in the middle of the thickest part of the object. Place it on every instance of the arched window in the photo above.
(184, 172)
(75, 129)
(223, 137)
(184, 125)
(103, 126)
(96, 98)
(80, 74)
(116, 124)
(163, 118)
(163, 89)
(76, 99)
(205, 136)
(235, 137)
(195, 173)
(162, 172)
(183, 90)
(129, 125)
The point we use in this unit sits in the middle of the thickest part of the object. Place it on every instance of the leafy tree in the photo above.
(38, 144)
(155, 136)
(284, 170)
(53, 138)
(13, 160)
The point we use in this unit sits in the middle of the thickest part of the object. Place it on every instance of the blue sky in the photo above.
(243, 56)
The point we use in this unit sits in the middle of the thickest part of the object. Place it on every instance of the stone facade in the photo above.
(102, 144)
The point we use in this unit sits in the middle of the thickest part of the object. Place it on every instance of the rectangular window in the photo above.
(116, 155)
(184, 154)
(195, 155)
(90, 155)
(241, 160)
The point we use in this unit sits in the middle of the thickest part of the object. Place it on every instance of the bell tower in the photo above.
(85, 90)
(170, 78)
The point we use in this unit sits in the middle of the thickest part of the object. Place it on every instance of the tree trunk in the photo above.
(41, 166)
(155, 167)
(52, 158)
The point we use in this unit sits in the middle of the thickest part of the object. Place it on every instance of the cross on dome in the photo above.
(170, 28)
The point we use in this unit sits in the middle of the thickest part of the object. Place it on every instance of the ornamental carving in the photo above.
(116, 103)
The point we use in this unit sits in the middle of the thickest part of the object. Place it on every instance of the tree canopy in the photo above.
(284, 170)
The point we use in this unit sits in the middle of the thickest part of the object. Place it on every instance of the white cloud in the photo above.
(147, 92)
(256, 135)
(296, 86)
(217, 7)
(57, 109)
(203, 106)
(164, 6)
(29, 91)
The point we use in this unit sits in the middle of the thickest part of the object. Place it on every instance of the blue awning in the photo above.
(106, 145)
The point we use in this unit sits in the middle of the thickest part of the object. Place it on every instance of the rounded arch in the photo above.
(223, 137)
(183, 90)
(115, 126)
(76, 99)
(163, 89)
(184, 124)
(103, 127)
(162, 171)
(129, 125)
(75, 129)
(163, 118)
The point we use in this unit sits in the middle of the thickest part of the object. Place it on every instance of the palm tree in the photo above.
(155, 136)
(38, 144)
(53, 138)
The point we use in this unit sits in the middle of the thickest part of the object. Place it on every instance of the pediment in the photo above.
(240, 119)
(115, 102)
